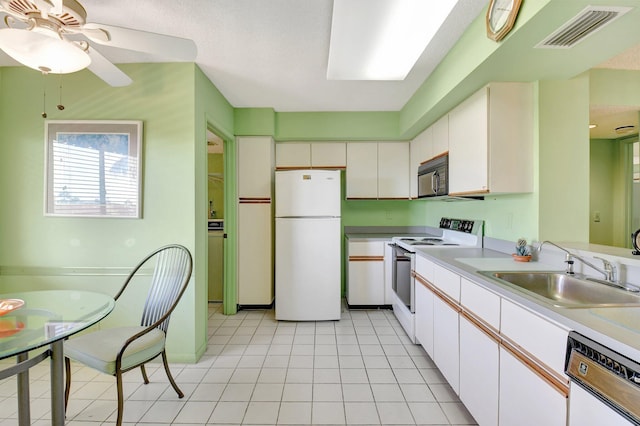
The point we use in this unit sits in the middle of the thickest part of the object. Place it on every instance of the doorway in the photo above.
(215, 216)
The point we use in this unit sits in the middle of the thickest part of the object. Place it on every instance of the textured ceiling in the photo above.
(270, 53)
(273, 53)
(608, 117)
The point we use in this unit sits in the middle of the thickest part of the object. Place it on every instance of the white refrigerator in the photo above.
(307, 264)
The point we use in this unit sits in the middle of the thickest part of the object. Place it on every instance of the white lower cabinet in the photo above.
(525, 398)
(365, 273)
(255, 254)
(479, 373)
(503, 360)
(446, 352)
(587, 410)
(424, 317)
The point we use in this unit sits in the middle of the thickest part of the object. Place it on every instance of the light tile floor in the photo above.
(361, 370)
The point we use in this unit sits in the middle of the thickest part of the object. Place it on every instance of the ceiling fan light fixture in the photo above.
(43, 52)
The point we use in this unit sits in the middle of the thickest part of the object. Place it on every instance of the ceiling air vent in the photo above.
(585, 23)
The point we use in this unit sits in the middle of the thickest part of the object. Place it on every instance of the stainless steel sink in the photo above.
(564, 290)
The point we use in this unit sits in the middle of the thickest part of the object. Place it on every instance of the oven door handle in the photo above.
(400, 252)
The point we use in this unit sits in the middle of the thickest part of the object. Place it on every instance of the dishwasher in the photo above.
(607, 375)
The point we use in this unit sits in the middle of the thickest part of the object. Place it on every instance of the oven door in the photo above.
(402, 284)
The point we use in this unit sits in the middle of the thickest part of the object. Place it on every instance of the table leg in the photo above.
(57, 383)
(24, 415)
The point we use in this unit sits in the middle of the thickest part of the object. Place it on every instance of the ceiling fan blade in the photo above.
(107, 71)
(142, 41)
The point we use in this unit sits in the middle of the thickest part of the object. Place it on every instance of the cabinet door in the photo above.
(587, 410)
(440, 143)
(446, 353)
(289, 154)
(329, 155)
(255, 167)
(479, 373)
(362, 170)
(525, 398)
(468, 145)
(424, 317)
(393, 170)
(419, 151)
(365, 275)
(366, 282)
(255, 260)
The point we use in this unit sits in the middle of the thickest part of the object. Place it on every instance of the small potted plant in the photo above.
(523, 252)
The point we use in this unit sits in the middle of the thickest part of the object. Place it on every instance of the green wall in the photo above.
(94, 254)
(604, 157)
(563, 168)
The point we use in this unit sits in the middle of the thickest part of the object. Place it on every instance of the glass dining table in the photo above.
(33, 327)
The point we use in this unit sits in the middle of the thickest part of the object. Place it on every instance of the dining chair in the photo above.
(117, 350)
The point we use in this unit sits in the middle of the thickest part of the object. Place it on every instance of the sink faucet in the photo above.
(609, 271)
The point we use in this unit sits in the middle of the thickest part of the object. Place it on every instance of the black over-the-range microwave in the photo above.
(433, 177)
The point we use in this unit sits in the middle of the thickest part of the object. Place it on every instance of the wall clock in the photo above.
(635, 240)
(501, 16)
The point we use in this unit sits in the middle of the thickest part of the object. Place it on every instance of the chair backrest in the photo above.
(172, 267)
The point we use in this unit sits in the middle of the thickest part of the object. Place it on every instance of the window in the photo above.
(93, 168)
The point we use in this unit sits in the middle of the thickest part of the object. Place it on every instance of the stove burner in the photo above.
(432, 240)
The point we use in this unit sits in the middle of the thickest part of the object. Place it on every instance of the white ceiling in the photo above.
(273, 53)
(270, 53)
(608, 117)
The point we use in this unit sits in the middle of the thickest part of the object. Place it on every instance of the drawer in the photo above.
(543, 339)
(424, 267)
(366, 248)
(446, 281)
(481, 302)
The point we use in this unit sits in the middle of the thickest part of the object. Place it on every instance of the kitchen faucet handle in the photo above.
(609, 268)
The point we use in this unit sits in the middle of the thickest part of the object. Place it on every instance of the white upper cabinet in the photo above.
(393, 170)
(378, 170)
(440, 143)
(317, 155)
(255, 167)
(329, 155)
(419, 149)
(491, 141)
(362, 170)
(293, 155)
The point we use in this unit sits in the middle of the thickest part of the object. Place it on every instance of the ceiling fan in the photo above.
(53, 36)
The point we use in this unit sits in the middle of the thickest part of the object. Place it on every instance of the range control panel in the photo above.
(460, 225)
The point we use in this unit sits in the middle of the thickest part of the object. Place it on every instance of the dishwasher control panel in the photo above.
(606, 374)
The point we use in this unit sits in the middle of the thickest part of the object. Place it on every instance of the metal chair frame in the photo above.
(164, 294)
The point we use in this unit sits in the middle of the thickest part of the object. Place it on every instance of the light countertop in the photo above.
(614, 327)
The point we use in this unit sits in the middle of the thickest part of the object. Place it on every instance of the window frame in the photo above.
(133, 131)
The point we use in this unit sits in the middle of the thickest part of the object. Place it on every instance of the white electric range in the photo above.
(454, 233)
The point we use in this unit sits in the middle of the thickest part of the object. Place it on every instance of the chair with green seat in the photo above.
(117, 350)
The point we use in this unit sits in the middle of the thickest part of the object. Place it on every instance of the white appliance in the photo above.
(308, 249)
(454, 233)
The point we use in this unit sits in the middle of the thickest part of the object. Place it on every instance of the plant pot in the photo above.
(519, 258)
